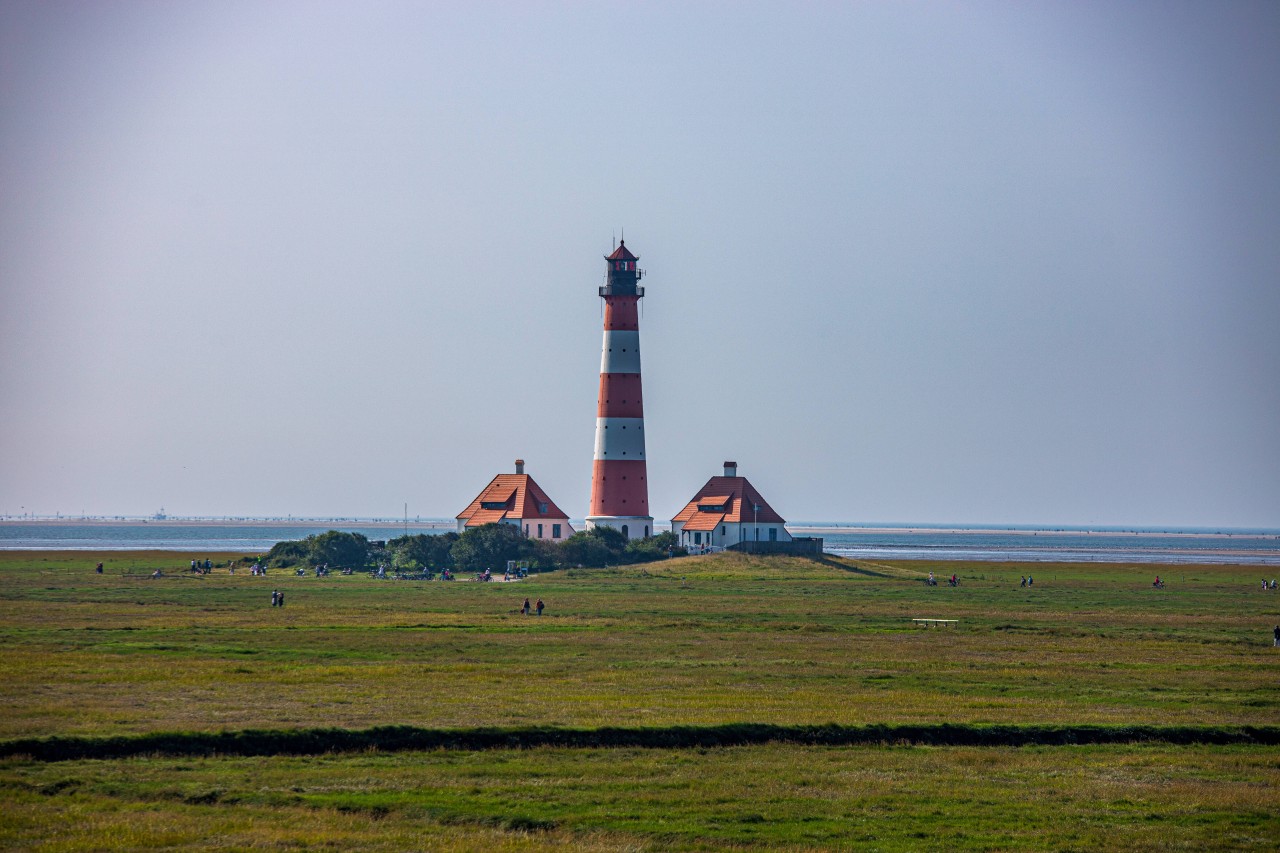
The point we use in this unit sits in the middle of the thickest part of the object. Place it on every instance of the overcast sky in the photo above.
(931, 262)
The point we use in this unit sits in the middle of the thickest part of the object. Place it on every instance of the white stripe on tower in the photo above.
(620, 438)
(621, 351)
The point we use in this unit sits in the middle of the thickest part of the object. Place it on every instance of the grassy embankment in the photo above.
(704, 641)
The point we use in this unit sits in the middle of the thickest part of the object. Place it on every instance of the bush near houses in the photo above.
(487, 546)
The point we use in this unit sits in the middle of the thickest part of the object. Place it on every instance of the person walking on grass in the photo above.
(524, 611)
(539, 605)
(1276, 633)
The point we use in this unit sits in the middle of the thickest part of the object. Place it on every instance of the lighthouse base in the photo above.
(631, 526)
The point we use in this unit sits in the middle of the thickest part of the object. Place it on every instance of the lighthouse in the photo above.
(619, 487)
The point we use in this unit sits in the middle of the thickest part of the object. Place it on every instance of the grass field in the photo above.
(698, 642)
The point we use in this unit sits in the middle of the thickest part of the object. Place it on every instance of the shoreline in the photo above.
(1186, 560)
(801, 529)
(434, 524)
(1036, 531)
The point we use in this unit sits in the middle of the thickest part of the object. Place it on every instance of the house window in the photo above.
(773, 534)
(697, 537)
(539, 531)
(493, 504)
(526, 530)
(624, 530)
(542, 508)
(555, 531)
(723, 529)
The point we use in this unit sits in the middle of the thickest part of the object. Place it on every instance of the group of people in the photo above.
(202, 568)
(277, 598)
(1265, 585)
(526, 609)
(1028, 581)
(954, 580)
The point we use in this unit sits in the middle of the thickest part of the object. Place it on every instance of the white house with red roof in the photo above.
(726, 511)
(516, 499)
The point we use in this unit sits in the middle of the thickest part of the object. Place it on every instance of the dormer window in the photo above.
(710, 507)
(493, 504)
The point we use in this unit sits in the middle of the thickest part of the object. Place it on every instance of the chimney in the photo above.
(519, 466)
(731, 469)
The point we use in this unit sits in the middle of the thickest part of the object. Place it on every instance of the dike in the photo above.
(404, 738)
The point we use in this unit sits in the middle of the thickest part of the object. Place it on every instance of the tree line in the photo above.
(487, 547)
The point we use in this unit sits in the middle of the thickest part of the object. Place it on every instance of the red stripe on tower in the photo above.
(619, 485)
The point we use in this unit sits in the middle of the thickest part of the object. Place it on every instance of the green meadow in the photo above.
(696, 642)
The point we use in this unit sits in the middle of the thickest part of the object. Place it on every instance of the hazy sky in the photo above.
(949, 262)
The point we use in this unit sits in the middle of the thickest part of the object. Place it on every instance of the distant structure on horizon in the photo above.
(516, 499)
(619, 486)
(728, 512)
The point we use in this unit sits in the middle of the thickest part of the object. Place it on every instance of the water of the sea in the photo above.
(1065, 545)
(214, 537)
(1247, 547)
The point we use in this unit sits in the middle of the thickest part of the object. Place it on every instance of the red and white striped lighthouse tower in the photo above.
(619, 487)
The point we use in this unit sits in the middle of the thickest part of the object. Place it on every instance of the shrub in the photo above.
(338, 548)
(422, 550)
(590, 548)
(658, 547)
(289, 553)
(490, 546)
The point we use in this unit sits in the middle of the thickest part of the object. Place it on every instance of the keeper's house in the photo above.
(517, 499)
(728, 513)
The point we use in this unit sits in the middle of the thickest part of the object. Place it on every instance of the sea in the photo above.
(864, 542)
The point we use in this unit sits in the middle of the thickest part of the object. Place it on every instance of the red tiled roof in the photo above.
(622, 253)
(501, 494)
(521, 498)
(736, 495)
(486, 516)
(704, 521)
